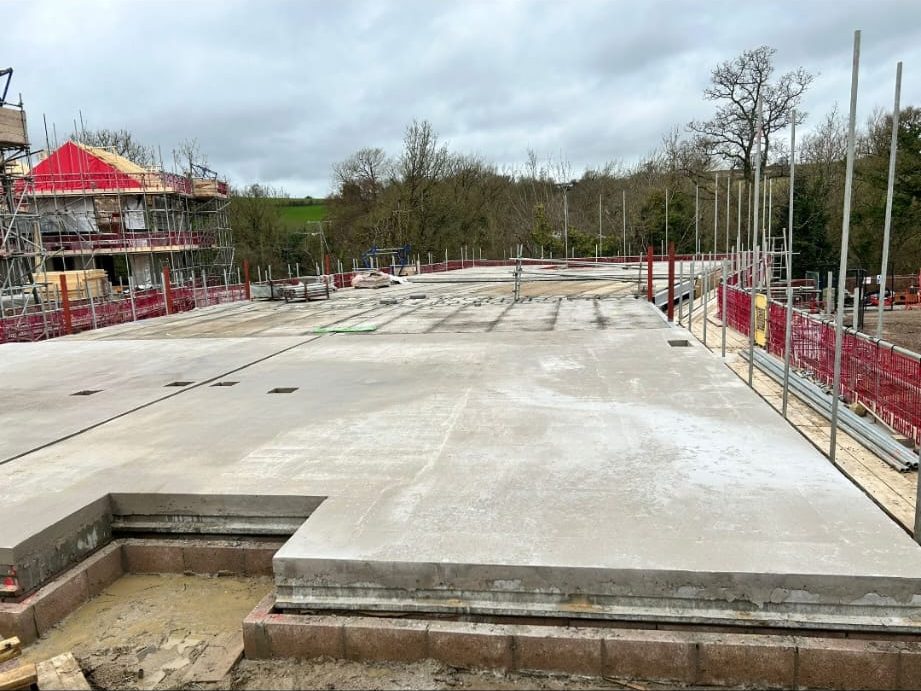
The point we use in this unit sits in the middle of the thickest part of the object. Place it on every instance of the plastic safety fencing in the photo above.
(884, 378)
(37, 325)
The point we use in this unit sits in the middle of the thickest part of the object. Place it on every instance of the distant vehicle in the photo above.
(873, 299)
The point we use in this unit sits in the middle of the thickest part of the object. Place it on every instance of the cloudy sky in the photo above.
(277, 92)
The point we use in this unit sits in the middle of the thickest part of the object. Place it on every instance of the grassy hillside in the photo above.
(295, 213)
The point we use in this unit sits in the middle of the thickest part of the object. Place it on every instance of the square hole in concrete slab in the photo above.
(225, 383)
(283, 389)
(679, 343)
(86, 392)
(179, 383)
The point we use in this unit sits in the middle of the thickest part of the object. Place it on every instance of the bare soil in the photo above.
(145, 631)
(901, 327)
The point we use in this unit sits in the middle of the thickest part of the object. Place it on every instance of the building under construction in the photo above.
(106, 224)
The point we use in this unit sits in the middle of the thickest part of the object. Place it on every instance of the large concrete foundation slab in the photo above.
(587, 468)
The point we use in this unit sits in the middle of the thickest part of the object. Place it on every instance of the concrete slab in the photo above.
(39, 382)
(584, 470)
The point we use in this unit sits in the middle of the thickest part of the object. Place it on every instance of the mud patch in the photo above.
(145, 631)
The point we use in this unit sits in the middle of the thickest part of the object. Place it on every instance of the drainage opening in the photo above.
(180, 383)
(225, 383)
(679, 343)
(86, 392)
(283, 389)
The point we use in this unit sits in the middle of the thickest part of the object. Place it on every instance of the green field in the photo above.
(296, 216)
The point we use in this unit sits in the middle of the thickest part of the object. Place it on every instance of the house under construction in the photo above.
(107, 223)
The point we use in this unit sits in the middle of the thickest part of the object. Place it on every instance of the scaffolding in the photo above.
(109, 224)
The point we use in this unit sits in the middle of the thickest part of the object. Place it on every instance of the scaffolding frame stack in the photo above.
(117, 230)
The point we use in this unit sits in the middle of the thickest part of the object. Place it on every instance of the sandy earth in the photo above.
(902, 327)
(144, 632)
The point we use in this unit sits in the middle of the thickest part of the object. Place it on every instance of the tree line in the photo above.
(436, 199)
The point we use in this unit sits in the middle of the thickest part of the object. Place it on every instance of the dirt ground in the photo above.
(902, 327)
(145, 631)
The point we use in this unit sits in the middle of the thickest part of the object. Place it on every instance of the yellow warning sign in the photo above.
(761, 321)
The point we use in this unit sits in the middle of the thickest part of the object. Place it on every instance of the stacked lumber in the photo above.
(13, 127)
(20, 676)
(57, 673)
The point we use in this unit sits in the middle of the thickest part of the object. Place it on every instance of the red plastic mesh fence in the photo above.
(885, 380)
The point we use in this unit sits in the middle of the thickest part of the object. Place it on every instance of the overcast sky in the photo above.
(276, 92)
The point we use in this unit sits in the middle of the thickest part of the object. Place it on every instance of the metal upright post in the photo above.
(134, 313)
(65, 305)
(754, 267)
(739, 220)
(696, 219)
(724, 319)
(728, 196)
(893, 147)
(204, 288)
(917, 531)
(693, 278)
(706, 296)
(671, 282)
(680, 292)
(716, 210)
(623, 197)
(842, 266)
(788, 323)
(666, 216)
(649, 295)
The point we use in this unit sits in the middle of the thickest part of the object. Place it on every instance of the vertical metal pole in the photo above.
(624, 203)
(693, 278)
(680, 292)
(739, 220)
(716, 210)
(649, 296)
(893, 147)
(599, 225)
(728, 197)
(724, 315)
(565, 224)
(89, 296)
(788, 323)
(65, 306)
(666, 216)
(751, 321)
(671, 282)
(204, 288)
(696, 219)
(842, 266)
(917, 532)
(706, 298)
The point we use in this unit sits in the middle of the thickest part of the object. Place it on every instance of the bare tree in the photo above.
(366, 170)
(187, 154)
(122, 142)
(736, 85)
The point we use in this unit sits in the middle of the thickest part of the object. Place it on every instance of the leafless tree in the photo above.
(735, 86)
(366, 170)
(122, 142)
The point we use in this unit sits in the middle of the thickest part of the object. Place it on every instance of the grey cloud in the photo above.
(278, 91)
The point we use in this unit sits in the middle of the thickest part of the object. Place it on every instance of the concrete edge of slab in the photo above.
(669, 656)
(795, 601)
(35, 614)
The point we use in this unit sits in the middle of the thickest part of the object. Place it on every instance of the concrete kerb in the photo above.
(761, 660)
(33, 615)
